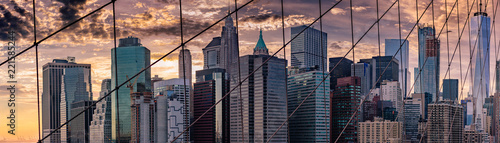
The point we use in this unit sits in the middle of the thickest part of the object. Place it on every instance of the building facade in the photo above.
(310, 123)
(410, 122)
(390, 91)
(344, 102)
(262, 99)
(309, 48)
(379, 131)
(64, 82)
(445, 122)
(450, 89)
(363, 71)
(142, 117)
(341, 70)
(211, 85)
(379, 64)
(127, 59)
(391, 47)
(426, 75)
(100, 127)
(79, 127)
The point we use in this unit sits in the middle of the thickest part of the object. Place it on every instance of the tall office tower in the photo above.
(310, 123)
(379, 64)
(450, 89)
(100, 127)
(263, 99)
(391, 47)
(309, 49)
(411, 118)
(480, 32)
(390, 91)
(79, 127)
(212, 54)
(379, 130)
(174, 90)
(497, 79)
(423, 100)
(344, 102)
(363, 71)
(342, 70)
(211, 85)
(428, 53)
(468, 104)
(229, 44)
(444, 124)
(64, 82)
(131, 57)
(185, 55)
(161, 119)
(143, 116)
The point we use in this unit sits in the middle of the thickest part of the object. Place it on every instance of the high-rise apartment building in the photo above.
(379, 130)
(428, 52)
(100, 127)
(344, 102)
(309, 48)
(127, 59)
(390, 91)
(310, 123)
(64, 82)
(211, 85)
(263, 99)
(445, 122)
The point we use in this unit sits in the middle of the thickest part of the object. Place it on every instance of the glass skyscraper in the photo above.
(310, 123)
(344, 101)
(480, 33)
(391, 47)
(308, 49)
(64, 82)
(343, 69)
(428, 49)
(450, 89)
(131, 57)
(378, 66)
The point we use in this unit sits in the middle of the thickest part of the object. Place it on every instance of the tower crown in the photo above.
(260, 47)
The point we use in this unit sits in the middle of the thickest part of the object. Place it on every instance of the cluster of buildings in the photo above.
(248, 98)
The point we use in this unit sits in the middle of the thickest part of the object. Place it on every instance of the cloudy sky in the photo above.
(157, 24)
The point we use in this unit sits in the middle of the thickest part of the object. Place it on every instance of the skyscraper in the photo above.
(390, 91)
(185, 55)
(161, 119)
(309, 49)
(79, 127)
(363, 70)
(310, 123)
(143, 117)
(211, 85)
(131, 57)
(64, 82)
(174, 90)
(342, 70)
(411, 118)
(497, 79)
(344, 102)
(391, 47)
(379, 64)
(428, 49)
(480, 32)
(450, 89)
(263, 99)
(100, 127)
(445, 122)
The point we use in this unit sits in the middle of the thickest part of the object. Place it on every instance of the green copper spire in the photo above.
(260, 48)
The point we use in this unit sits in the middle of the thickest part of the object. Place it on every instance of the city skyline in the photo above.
(94, 54)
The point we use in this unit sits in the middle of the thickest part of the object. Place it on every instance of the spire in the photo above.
(260, 48)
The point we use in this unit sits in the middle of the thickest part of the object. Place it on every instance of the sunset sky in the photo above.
(156, 23)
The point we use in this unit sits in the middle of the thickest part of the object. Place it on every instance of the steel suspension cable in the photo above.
(116, 77)
(239, 84)
(141, 71)
(37, 70)
(239, 73)
(183, 52)
(323, 66)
